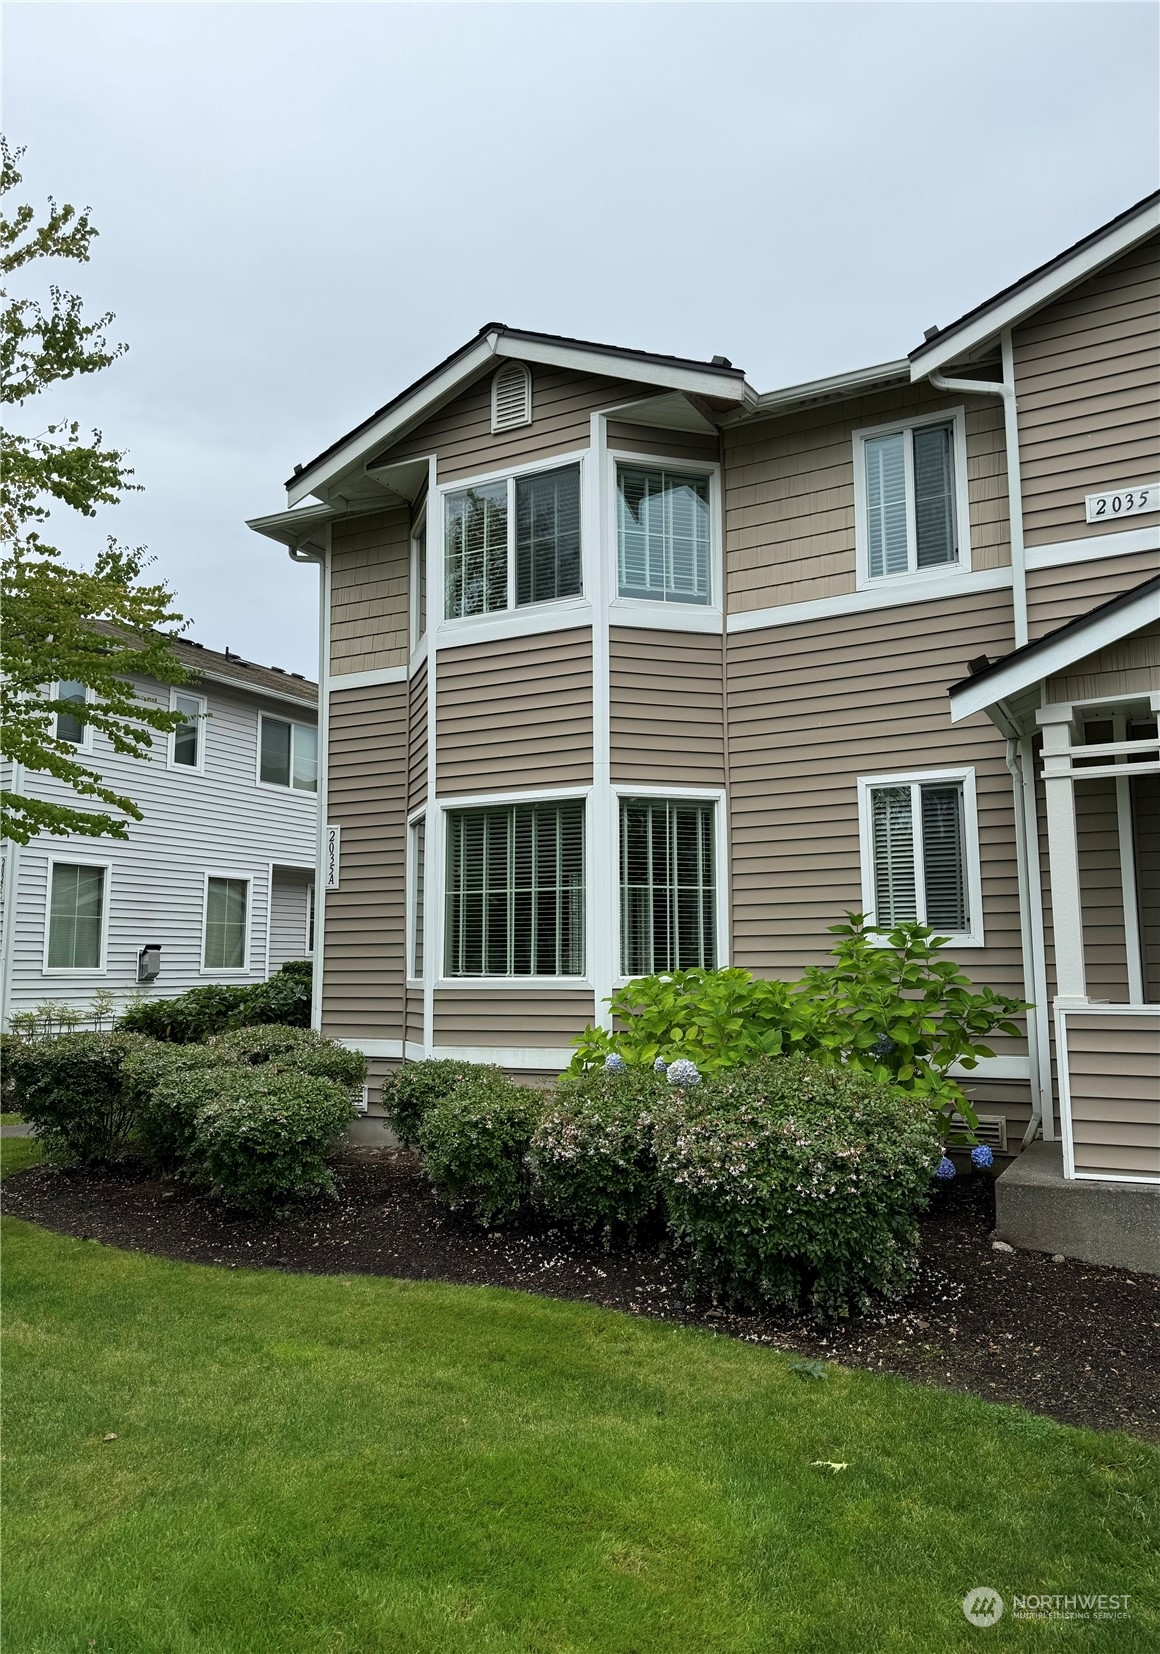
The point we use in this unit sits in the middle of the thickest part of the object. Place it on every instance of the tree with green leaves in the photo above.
(62, 626)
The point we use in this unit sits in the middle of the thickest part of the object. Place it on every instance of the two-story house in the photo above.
(214, 884)
(629, 666)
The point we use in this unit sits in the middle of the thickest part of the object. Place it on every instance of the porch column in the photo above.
(1063, 852)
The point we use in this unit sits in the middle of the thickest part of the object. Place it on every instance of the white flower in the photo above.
(660, 1066)
(614, 1064)
(684, 1073)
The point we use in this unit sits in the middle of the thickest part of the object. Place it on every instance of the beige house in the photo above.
(627, 666)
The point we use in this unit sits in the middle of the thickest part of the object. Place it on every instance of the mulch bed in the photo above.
(1070, 1340)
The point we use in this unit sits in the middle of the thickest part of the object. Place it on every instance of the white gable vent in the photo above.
(511, 397)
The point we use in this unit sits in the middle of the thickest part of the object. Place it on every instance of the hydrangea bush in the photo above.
(592, 1155)
(475, 1142)
(796, 1182)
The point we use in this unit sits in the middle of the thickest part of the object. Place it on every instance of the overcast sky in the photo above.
(303, 207)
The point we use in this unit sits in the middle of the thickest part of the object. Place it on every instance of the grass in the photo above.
(10, 1119)
(331, 1465)
(18, 1152)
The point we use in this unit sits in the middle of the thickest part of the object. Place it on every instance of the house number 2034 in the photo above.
(1123, 502)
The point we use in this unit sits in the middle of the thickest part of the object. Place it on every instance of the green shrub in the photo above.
(69, 1087)
(796, 1182)
(475, 1141)
(409, 1092)
(296, 1050)
(592, 1153)
(284, 998)
(215, 1008)
(163, 1096)
(261, 1136)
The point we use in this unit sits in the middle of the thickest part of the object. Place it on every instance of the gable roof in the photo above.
(228, 668)
(718, 380)
(1056, 651)
(982, 324)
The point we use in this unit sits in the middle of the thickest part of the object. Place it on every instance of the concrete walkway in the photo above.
(16, 1131)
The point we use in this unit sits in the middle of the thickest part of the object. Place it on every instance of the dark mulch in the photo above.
(1076, 1342)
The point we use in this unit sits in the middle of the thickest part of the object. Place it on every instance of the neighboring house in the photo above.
(214, 884)
(628, 666)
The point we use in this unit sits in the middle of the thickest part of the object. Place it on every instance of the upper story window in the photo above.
(920, 852)
(513, 543)
(187, 744)
(515, 890)
(910, 497)
(511, 397)
(288, 755)
(70, 727)
(663, 538)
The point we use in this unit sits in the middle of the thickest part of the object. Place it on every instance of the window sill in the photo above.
(74, 970)
(294, 792)
(913, 577)
(558, 616)
(661, 616)
(505, 984)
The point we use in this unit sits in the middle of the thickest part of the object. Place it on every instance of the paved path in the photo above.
(16, 1131)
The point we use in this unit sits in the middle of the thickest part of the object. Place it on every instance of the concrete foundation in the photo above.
(1039, 1209)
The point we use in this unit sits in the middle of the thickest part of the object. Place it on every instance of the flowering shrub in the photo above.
(69, 1088)
(475, 1141)
(796, 1182)
(261, 1136)
(683, 1073)
(716, 1019)
(592, 1154)
(410, 1091)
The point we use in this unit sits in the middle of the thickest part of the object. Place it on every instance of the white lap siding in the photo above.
(290, 915)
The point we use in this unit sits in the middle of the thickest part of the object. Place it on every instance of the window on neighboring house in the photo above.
(515, 890)
(76, 917)
(528, 525)
(663, 535)
(419, 583)
(187, 737)
(227, 904)
(920, 843)
(908, 499)
(418, 880)
(70, 727)
(289, 755)
(668, 901)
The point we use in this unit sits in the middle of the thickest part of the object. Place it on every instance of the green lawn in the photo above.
(329, 1464)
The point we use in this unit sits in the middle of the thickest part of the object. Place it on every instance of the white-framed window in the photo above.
(416, 887)
(665, 532)
(310, 914)
(187, 742)
(512, 542)
(511, 397)
(919, 836)
(76, 917)
(669, 898)
(69, 727)
(225, 944)
(287, 754)
(514, 899)
(419, 580)
(910, 497)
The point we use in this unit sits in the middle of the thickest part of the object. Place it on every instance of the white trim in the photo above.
(418, 528)
(288, 786)
(1119, 543)
(320, 840)
(509, 984)
(529, 620)
(602, 839)
(993, 1068)
(497, 427)
(261, 690)
(725, 385)
(269, 919)
(1006, 312)
(1127, 844)
(717, 796)
(645, 611)
(377, 1047)
(792, 397)
(931, 588)
(433, 898)
(545, 1057)
(1062, 1012)
(339, 681)
(529, 795)
(53, 860)
(85, 744)
(236, 878)
(972, 938)
(641, 614)
(414, 820)
(956, 417)
(1048, 658)
(202, 731)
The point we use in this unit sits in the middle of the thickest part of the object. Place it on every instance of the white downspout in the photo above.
(314, 554)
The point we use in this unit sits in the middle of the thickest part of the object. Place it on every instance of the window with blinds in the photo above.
(919, 848)
(226, 923)
(419, 584)
(663, 535)
(548, 536)
(476, 551)
(909, 480)
(76, 913)
(515, 890)
(418, 880)
(668, 898)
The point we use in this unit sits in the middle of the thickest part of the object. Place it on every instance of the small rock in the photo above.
(1001, 1246)
(1058, 1257)
(111, 1436)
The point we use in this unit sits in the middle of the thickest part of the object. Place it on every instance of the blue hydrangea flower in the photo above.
(945, 1169)
(683, 1072)
(660, 1066)
(982, 1157)
(614, 1064)
(882, 1047)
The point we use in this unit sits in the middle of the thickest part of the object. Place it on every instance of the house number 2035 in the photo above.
(1123, 502)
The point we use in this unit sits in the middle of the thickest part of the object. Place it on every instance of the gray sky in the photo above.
(303, 207)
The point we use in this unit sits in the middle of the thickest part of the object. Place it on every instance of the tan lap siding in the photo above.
(362, 993)
(1114, 1085)
(789, 495)
(1101, 891)
(414, 1032)
(814, 706)
(542, 1017)
(1057, 595)
(368, 592)
(1087, 375)
(417, 748)
(687, 446)
(460, 434)
(515, 714)
(666, 708)
(1129, 667)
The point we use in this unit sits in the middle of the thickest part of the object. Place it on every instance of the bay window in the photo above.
(668, 895)
(512, 543)
(515, 890)
(663, 537)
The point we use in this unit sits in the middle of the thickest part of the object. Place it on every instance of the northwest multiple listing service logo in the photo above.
(983, 1606)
